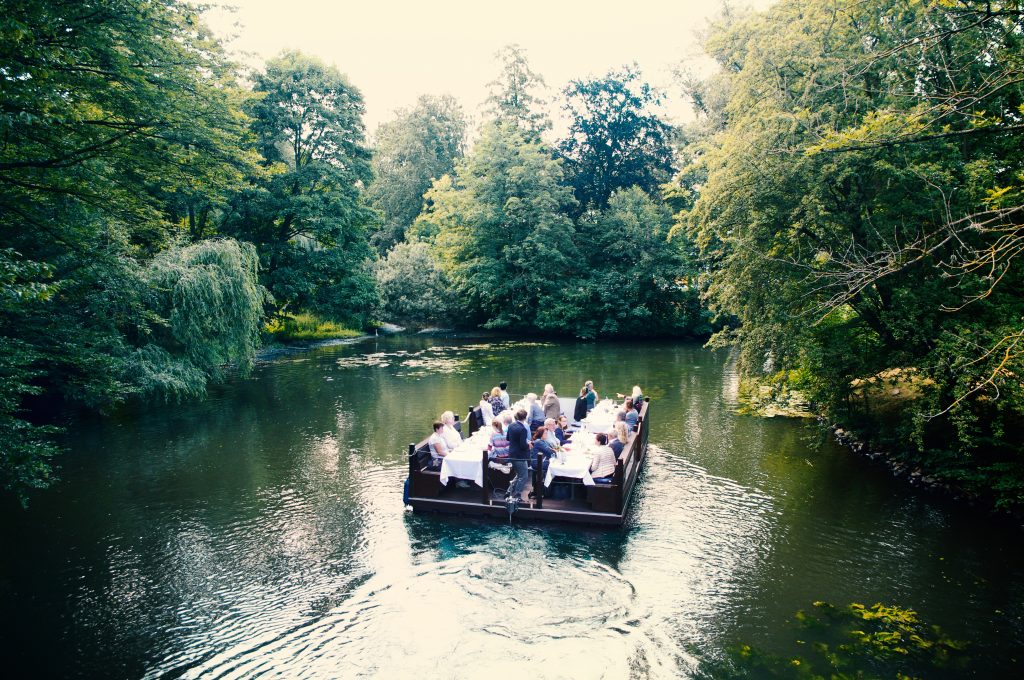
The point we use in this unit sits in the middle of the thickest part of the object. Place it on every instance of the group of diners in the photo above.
(536, 425)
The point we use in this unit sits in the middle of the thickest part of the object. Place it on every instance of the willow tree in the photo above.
(208, 305)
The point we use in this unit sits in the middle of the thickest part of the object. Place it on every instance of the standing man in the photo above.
(518, 454)
(504, 395)
(552, 407)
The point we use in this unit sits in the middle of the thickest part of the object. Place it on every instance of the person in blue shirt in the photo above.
(562, 430)
(519, 454)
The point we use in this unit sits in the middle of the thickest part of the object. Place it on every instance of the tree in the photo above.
(615, 139)
(116, 116)
(639, 283)
(502, 233)
(420, 145)
(307, 217)
(206, 306)
(855, 199)
(413, 286)
(514, 97)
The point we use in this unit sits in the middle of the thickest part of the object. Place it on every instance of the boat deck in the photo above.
(605, 504)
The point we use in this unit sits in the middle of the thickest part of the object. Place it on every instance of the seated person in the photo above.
(505, 418)
(536, 412)
(602, 462)
(638, 397)
(438, 447)
(538, 445)
(497, 405)
(580, 410)
(621, 436)
(451, 435)
(631, 414)
(562, 430)
(498, 446)
(545, 440)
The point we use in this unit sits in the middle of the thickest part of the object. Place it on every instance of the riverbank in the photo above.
(777, 399)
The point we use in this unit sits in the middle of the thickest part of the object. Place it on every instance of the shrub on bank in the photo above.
(305, 326)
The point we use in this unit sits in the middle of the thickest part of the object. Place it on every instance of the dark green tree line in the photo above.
(305, 212)
(521, 252)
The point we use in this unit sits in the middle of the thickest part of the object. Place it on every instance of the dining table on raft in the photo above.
(465, 462)
(572, 462)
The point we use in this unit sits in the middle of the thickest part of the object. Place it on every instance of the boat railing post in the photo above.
(618, 480)
(412, 458)
(538, 481)
(484, 496)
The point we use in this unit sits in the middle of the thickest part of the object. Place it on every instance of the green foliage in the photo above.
(502, 233)
(26, 450)
(615, 139)
(419, 146)
(304, 327)
(306, 214)
(853, 187)
(208, 306)
(854, 641)
(638, 282)
(122, 127)
(514, 97)
(414, 287)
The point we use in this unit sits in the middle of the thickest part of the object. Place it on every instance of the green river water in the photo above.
(261, 532)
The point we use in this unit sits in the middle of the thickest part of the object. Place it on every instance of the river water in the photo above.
(261, 533)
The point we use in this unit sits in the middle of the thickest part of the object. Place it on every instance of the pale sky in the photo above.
(396, 50)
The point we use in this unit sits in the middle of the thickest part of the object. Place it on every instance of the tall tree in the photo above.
(516, 95)
(501, 231)
(859, 199)
(420, 145)
(307, 216)
(616, 139)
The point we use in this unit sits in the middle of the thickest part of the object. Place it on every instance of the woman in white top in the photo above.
(486, 409)
(602, 463)
(438, 446)
(450, 434)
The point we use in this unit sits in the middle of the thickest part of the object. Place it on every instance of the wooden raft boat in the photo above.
(604, 504)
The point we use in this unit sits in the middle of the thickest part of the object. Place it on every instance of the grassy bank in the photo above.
(305, 327)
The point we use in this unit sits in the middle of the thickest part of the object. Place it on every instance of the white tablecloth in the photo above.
(576, 465)
(602, 417)
(466, 461)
